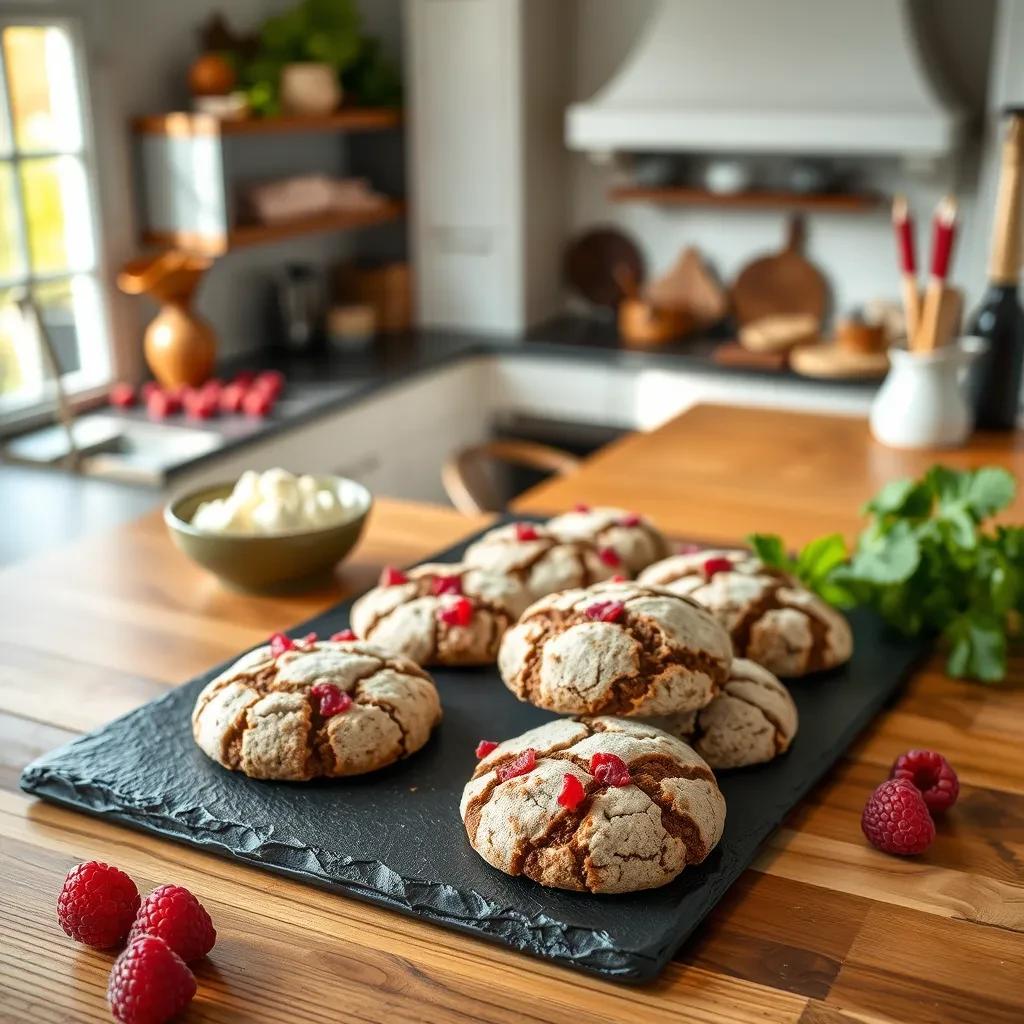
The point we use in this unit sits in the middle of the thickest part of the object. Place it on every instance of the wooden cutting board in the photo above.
(785, 282)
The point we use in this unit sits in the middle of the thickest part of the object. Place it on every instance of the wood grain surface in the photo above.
(824, 930)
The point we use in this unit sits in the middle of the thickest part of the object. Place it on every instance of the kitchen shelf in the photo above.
(183, 124)
(824, 202)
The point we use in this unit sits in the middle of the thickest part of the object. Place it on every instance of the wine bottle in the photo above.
(999, 319)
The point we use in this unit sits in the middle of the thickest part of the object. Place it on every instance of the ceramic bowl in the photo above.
(268, 561)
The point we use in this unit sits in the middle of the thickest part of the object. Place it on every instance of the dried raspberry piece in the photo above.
(279, 643)
(526, 531)
(896, 819)
(610, 557)
(618, 578)
(715, 565)
(392, 577)
(522, 765)
(458, 613)
(572, 793)
(630, 519)
(446, 585)
(610, 769)
(581, 506)
(343, 636)
(688, 549)
(308, 640)
(605, 611)
(932, 774)
(333, 701)
(484, 747)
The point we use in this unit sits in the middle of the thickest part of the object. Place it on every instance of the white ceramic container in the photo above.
(309, 89)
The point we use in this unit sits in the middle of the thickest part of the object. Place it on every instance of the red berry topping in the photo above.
(526, 531)
(307, 641)
(610, 557)
(932, 774)
(522, 765)
(446, 585)
(581, 506)
(896, 819)
(333, 701)
(122, 395)
(257, 403)
(392, 577)
(572, 792)
(149, 983)
(713, 565)
(231, 398)
(279, 643)
(344, 635)
(458, 613)
(484, 747)
(97, 904)
(688, 549)
(618, 578)
(630, 519)
(173, 914)
(610, 769)
(605, 611)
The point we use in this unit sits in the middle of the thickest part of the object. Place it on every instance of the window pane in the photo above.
(6, 145)
(14, 362)
(58, 308)
(42, 88)
(11, 262)
(57, 214)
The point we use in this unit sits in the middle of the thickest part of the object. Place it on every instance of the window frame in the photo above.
(91, 381)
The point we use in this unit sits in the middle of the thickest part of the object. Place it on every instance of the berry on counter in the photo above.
(97, 904)
(231, 397)
(522, 765)
(148, 388)
(161, 404)
(149, 983)
(269, 382)
(200, 404)
(257, 403)
(572, 792)
(122, 395)
(244, 378)
(932, 774)
(172, 913)
(896, 819)
(483, 748)
(610, 769)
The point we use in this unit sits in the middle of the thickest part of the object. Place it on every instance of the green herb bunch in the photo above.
(925, 563)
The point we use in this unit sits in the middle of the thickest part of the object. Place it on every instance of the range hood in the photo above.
(780, 76)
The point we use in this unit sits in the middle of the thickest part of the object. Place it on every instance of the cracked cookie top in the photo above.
(751, 721)
(618, 649)
(545, 805)
(771, 618)
(635, 539)
(319, 708)
(439, 614)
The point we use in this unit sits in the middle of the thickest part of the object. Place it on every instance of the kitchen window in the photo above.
(48, 222)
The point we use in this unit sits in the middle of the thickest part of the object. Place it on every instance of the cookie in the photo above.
(317, 709)
(617, 649)
(540, 562)
(751, 721)
(603, 806)
(635, 539)
(771, 618)
(439, 614)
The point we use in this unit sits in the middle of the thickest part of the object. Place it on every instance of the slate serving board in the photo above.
(395, 837)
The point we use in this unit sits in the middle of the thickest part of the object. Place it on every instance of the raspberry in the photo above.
(149, 983)
(231, 397)
(932, 774)
(688, 549)
(526, 531)
(147, 388)
(392, 577)
(308, 640)
(333, 701)
(172, 913)
(446, 585)
(458, 613)
(484, 747)
(279, 643)
(269, 382)
(605, 611)
(896, 819)
(714, 565)
(610, 769)
(522, 765)
(161, 404)
(630, 519)
(343, 636)
(122, 395)
(244, 377)
(97, 904)
(199, 404)
(610, 557)
(257, 403)
(572, 793)
(581, 506)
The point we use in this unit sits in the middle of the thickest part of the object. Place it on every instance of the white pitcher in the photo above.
(924, 401)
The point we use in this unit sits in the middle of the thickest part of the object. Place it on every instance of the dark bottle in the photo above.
(999, 319)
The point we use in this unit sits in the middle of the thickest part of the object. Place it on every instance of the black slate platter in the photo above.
(395, 837)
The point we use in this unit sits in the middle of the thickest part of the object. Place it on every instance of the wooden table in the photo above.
(824, 930)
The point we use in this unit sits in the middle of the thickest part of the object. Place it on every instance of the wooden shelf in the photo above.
(261, 234)
(354, 119)
(824, 202)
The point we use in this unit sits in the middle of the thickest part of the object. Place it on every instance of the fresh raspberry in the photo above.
(932, 774)
(244, 377)
(147, 388)
(122, 395)
(343, 636)
(581, 506)
(610, 557)
(257, 403)
(199, 405)
(605, 611)
(97, 904)
(392, 577)
(572, 792)
(484, 747)
(446, 585)
(526, 531)
(161, 404)
(279, 643)
(149, 983)
(522, 765)
(458, 613)
(269, 382)
(333, 701)
(896, 819)
(172, 913)
(715, 565)
(231, 397)
(630, 519)
(610, 769)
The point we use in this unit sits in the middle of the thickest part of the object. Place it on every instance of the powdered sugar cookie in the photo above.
(636, 540)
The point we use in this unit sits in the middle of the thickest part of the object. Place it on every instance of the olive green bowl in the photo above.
(268, 561)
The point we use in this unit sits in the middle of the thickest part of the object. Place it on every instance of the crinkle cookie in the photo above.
(751, 721)
(772, 618)
(301, 709)
(439, 614)
(637, 540)
(616, 648)
(607, 805)
(540, 562)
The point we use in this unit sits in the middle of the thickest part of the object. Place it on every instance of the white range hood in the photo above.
(781, 76)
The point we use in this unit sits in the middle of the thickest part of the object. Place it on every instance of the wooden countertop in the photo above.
(824, 930)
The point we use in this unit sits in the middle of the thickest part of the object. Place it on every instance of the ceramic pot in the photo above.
(309, 89)
(923, 402)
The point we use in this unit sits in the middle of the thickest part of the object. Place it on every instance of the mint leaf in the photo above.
(908, 498)
(991, 489)
(771, 550)
(978, 648)
(890, 557)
